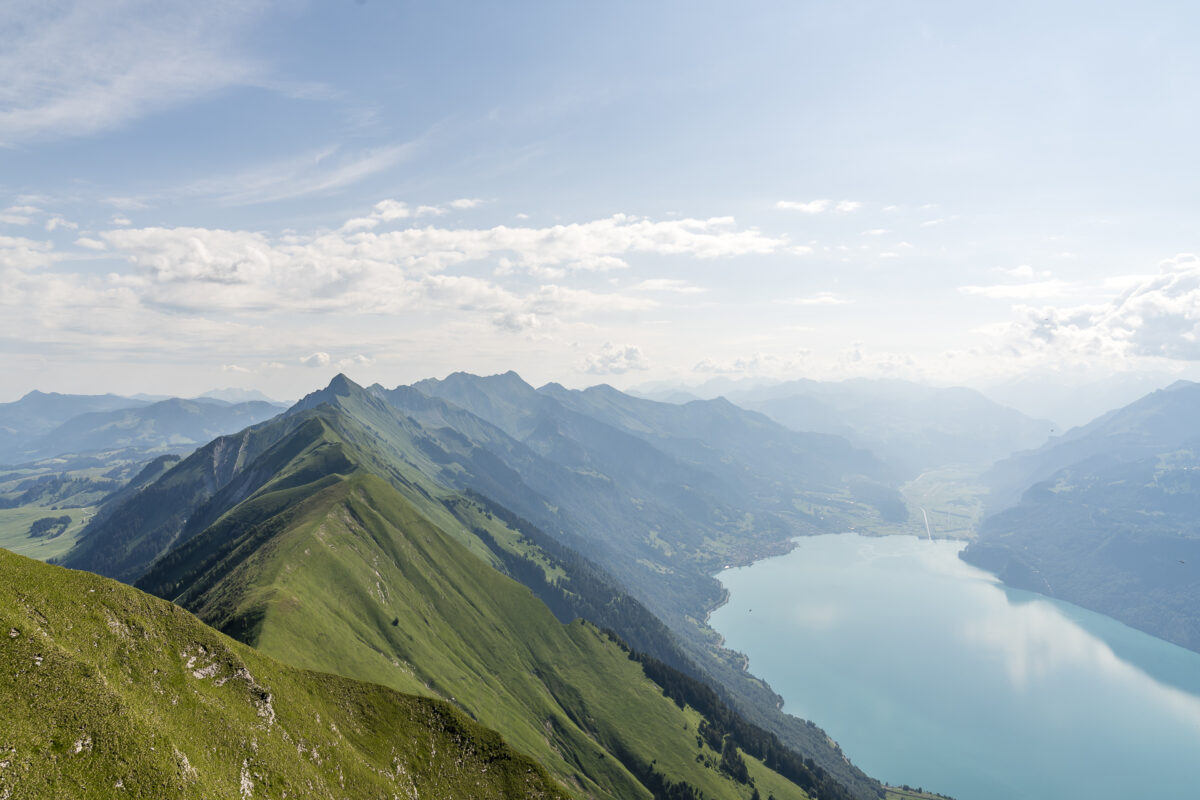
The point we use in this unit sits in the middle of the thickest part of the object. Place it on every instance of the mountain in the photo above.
(108, 692)
(1157, 422)
(1107, 518)
(38, 413)
(659, 494)
(1074, 400)
(912, 427)
(234, 396)
(173, 425)
(321, 538)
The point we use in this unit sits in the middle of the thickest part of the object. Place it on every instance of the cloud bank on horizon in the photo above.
(257, 191)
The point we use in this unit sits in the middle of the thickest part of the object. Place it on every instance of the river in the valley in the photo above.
(930, 673)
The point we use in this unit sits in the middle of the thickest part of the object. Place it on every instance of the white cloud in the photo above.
(57, 221)
(234, 368)
(615, 359)
(1157, 317)
(76, 69)
(18, 215)
(385, 211)
(464, 203)
(666, 285)
(818, 299)
(238, 297)
(516, 322)
(930, 223)
(20, 254)
(762, 364)
(120, 220)
(811, 207)
(819, 206)
(1022, 291)
(1024, 272)
(318, 171)
(876, 232)
(128, 203)
(358, 360)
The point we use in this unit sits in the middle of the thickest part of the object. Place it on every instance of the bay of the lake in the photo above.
(929, 672)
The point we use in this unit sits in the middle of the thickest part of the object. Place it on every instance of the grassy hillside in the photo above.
(108, 692)
(222, 508)
(355, 580)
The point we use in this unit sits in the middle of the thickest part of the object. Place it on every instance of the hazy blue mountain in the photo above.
(1072, 401)
(910, 426)
(1158, 422)
(38, 413)
(736, 445)
(1106, 516)
(1116, 534)
(173, 425)
(234, 395)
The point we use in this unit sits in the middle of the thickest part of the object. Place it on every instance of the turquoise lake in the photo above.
(931, 673)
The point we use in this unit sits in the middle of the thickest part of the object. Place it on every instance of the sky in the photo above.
(262, 194)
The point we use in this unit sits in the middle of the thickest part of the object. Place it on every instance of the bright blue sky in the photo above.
(259, 194)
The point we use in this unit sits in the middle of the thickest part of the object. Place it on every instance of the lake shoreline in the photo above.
(900, 648)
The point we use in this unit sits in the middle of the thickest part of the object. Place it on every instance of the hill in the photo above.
(1157, 422)
(1107, 516)
(110, 692)
(38, 413)
(175, 425)
(320, 537)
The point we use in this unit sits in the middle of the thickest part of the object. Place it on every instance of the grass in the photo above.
(900, 793)
(14, 530)
(333, 574)
(110, 692)
(953, 497)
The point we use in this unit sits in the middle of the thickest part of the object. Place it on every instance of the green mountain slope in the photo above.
(108, 692)
(661, 496)
(343, 573)
(248, 482)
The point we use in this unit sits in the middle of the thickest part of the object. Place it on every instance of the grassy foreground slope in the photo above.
(107, 691)
(354, 580)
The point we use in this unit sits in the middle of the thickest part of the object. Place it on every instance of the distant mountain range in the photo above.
(911, 427)
(1108, 516)
(369, 532)
(41, 425)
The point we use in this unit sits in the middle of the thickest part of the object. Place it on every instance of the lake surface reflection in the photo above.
(931, 673)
